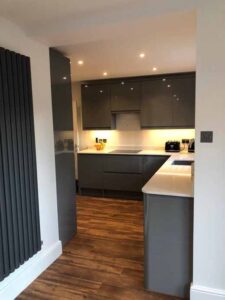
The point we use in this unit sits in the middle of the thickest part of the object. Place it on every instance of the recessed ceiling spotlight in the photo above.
(154, 69)
(169, 86)
(80, 62)
(142, 55)
(105, 73)
(64, 78)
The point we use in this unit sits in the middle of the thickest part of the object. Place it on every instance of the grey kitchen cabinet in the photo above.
(90, 170)
(123, 173)
(168, 102)
(123, 182)
(61, 91)
(96, 111)
(164, 101)
(168, 244)
(65, 179)
(123, 164)
(184, 102)
(65, 163)
(112, 174)
(151, 164)
(156, 105)
(125, 96)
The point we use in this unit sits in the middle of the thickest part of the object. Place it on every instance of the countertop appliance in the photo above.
(172, 146)
(191, 146)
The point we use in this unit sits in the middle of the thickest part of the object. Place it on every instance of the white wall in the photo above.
(209, 209)
(14, 39)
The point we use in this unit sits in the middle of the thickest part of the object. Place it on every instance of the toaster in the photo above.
(172, 146)
(191, 146)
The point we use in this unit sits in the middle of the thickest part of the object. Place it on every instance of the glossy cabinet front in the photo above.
(96, 106)
(168, 102)
(116, 175)
(162, 101)
(125, 96)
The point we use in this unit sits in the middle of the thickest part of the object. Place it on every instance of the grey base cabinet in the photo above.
(119, 176)
(65, 179)
(168, 242)
(90, 168)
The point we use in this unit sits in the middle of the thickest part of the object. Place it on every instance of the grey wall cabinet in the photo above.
(168, 102)
(184, 102)
(156, 105)
(96, 106)
(125, 96)
(61, 91)
(164, 101)
(116, 173)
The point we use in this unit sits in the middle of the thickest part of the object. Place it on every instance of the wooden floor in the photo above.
(103, 261)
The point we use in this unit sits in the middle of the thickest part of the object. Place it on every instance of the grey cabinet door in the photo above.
(65, 178)
(156, 104)
(184, 102)
(123, 182)
(96, 106)
(125, 96)
(151, 164)
(168, 102)
(61, 91)
(90, 171)
(123, 164)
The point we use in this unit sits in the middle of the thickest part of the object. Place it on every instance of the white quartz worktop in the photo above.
(109, 151)
(172, 180)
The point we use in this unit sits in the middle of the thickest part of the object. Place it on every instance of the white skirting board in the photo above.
(205, 293)
(13, 285)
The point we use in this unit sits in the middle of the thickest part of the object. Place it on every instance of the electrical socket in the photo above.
(185, 141)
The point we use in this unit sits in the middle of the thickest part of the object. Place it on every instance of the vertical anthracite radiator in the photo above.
(19, 211)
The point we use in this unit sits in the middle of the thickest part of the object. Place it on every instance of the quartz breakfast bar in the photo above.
(168, 227)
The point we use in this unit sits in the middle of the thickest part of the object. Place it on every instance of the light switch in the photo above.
(206, 137)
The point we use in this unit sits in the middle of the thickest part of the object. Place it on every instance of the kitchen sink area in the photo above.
(182, 162)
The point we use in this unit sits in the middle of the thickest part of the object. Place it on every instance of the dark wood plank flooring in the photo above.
(103, 261)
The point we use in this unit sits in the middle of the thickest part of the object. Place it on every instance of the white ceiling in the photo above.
(109, 35)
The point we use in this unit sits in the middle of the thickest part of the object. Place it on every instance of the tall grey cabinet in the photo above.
(64, 153)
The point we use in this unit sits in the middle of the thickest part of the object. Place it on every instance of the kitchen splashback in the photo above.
(134, 138)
